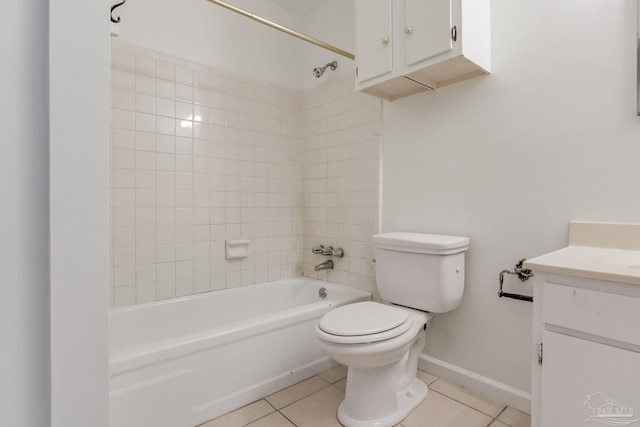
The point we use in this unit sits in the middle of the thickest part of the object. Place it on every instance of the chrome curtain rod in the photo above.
(284, 29)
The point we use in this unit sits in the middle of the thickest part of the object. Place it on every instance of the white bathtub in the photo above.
(181, 362)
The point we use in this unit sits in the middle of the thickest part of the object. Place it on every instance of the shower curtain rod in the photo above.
(283, 29)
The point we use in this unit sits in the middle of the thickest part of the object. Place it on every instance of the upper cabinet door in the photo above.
(427, 29)
(374, 51)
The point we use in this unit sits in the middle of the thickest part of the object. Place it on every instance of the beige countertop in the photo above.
(617, 265)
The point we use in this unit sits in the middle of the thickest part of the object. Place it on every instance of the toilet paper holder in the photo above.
(523, 274)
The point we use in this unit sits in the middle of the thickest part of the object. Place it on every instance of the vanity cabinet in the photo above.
(409, 46)
(586, 351)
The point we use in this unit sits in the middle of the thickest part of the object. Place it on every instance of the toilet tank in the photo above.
(421, 271)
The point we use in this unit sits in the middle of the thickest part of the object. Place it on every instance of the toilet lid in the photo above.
(362, 318)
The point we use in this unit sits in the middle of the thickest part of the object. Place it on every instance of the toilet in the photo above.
(417, 275)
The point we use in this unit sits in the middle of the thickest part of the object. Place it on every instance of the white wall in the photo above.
(79, 132)
(203, 32)
(508, 159)
(24, 258)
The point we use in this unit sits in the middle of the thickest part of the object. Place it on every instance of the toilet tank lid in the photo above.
(421, 243)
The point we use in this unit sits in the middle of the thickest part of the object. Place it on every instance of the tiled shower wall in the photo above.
(342, 136)
(199, 156)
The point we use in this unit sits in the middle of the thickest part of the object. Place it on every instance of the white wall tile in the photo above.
(198, 158)
(165, 125)
(123, 59)
(123, 99)
(165, 71)
(145, 141)
(123, 80)
(123, 119)
(145, 65)
(145, 103)
(184, 286)
(145, 179)
(124, 296)
(145, 122)
(166, 289)
(145, 292)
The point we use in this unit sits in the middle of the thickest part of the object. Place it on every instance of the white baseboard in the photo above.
(260, 390)
(476, 383)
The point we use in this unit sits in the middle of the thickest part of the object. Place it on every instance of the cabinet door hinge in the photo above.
(356, 71)
(540, 354)
(454, 33)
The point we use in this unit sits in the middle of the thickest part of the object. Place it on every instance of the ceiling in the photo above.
(298, 7)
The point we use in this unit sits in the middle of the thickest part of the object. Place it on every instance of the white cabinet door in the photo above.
(374, 39)
(427, 30)
(585, 383)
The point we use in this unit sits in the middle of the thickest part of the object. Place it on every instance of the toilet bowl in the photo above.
(380, 344)
(418, 274)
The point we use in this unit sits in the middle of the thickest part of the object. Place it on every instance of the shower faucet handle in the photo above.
(329, 251)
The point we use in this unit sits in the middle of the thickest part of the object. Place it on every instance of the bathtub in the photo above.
(181, 362)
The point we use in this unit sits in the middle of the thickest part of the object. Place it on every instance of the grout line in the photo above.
(503, 409)
(328, 384)
(258, 419)
(291, 421)
(265, 399)
(304, 397)
(468, 406)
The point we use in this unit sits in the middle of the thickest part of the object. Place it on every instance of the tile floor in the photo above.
(314, 403)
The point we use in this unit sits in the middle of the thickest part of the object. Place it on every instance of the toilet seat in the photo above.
(363, 322)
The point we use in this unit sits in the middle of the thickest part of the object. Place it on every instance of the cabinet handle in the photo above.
(454, 33)
(408, 30)
(385, 41)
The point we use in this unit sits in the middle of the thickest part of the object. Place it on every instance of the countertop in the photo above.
(611, 264)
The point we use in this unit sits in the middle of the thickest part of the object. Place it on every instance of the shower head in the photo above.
(319, 71)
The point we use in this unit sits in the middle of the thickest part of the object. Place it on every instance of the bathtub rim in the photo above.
(244, 288)
(132, 357)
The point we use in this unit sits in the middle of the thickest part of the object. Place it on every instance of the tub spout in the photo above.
(327, 265)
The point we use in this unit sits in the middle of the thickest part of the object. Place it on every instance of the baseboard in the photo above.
(476, 383)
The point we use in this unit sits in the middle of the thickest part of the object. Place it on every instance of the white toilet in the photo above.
(419, 274)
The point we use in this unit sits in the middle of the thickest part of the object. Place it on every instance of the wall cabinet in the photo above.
(587, 339)
(409, 46)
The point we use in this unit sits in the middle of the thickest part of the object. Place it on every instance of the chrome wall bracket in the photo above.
(523, 274)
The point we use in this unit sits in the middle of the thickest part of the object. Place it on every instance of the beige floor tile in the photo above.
(243, 416)
(275, 419)
(440, 411)
(296, 392)
(514, 418)
(463, 395)
(318, 410)
(498, 424)
(426, 377)
(334, 374)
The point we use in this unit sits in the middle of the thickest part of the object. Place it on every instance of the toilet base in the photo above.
(406, 401)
